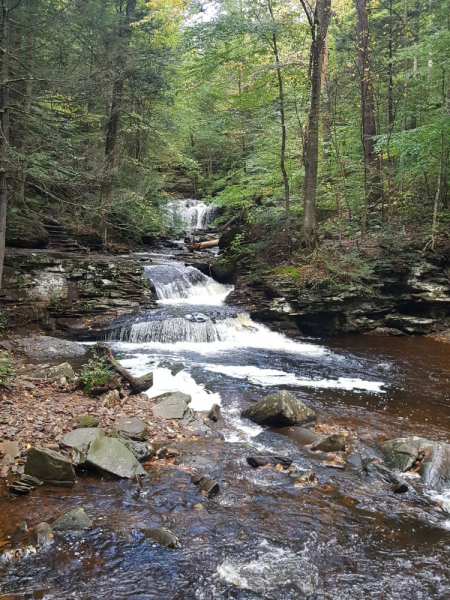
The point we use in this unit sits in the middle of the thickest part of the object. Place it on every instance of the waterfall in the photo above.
(181, 284)
(190, 214)
(171, 331)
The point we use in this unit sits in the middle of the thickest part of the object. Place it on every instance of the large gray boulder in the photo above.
(81, 439)
(174, 407)
(48, 465)
(279, 410)
(110, 455)
(432, 458)
(74, 520)
(46, 348)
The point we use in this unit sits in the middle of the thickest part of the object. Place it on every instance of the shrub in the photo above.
(96, 373)
(7, 371)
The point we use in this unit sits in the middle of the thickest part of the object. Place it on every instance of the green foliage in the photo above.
(95, 373)
(7, 369)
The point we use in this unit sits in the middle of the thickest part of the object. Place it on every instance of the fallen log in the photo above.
(137, 384)
(203, 245)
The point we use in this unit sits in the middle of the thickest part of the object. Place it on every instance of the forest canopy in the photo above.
(305, 120)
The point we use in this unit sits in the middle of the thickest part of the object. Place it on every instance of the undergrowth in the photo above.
(95, 373)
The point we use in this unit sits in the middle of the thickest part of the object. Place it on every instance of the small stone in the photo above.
(163, 536)
(74, 520)
(214, 413)
(330, 443)
(84, 421)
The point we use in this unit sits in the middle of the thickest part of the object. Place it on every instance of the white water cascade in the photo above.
(190, 214)
(177, 284)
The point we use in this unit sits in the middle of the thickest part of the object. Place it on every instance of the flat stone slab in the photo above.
(49, 348)
(110, 455)
(48, 465)
(11, 448)
(173, 407)
(131, 427)
(81, 439)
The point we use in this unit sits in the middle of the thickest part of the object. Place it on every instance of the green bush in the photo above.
(96, 373)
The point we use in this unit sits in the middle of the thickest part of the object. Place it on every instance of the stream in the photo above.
(263, 537)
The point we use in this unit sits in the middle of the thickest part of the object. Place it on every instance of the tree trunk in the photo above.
(319, 28)
(371, 164)
(276, 54)
(4, 133)
(112, 126)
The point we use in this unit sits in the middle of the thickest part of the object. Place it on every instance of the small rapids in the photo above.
(265, 536)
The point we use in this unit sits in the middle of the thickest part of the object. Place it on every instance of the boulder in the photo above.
(279, 410)
(174, 407)
(111, 456)
(387, 332)
(74, 520)
(25, 232)
(48, 465)
(214, 413)
(46, 348)
(223, 268)
(262, 461)
(84, 421)
(330, 443)
(49, 372)
(432, 459)
(81, 439)
(131, 427)
(143, 451)
(227, 238)
(162, 536)
(382, 473)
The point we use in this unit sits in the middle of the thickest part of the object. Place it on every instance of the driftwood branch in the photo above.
(137, 384)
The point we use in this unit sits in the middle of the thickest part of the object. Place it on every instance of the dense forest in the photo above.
(317, 126)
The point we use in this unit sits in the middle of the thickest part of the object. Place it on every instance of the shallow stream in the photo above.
(345, 538)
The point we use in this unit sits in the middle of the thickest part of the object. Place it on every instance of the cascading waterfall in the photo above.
(171, 331)
(177, 283)
(190, 214)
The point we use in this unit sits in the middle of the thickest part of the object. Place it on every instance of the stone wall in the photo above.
(69, 292)
(410, 297)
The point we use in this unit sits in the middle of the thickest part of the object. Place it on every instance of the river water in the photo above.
(264, 536)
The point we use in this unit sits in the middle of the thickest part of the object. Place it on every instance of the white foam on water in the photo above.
(209, 337)
(241, 431)
(272, 569)
(164, 381)
(273, 377)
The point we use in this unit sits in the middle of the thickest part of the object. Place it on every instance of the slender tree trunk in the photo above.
(437, 196)
(319, 27)
(112, 126)
(30, 43)
(371, 164)
(4, 133)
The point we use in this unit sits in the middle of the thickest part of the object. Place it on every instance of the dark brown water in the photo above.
(346, 538)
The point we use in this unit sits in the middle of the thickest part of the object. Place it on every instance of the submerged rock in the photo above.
(42, 535)
(262, 461)
(143, 451)
(48, 465)
(330, 443)
(132, 428)
(74, 520)
(431, 458)
(162, 536)
(382, 473)
(279, 410)
(110, 455)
